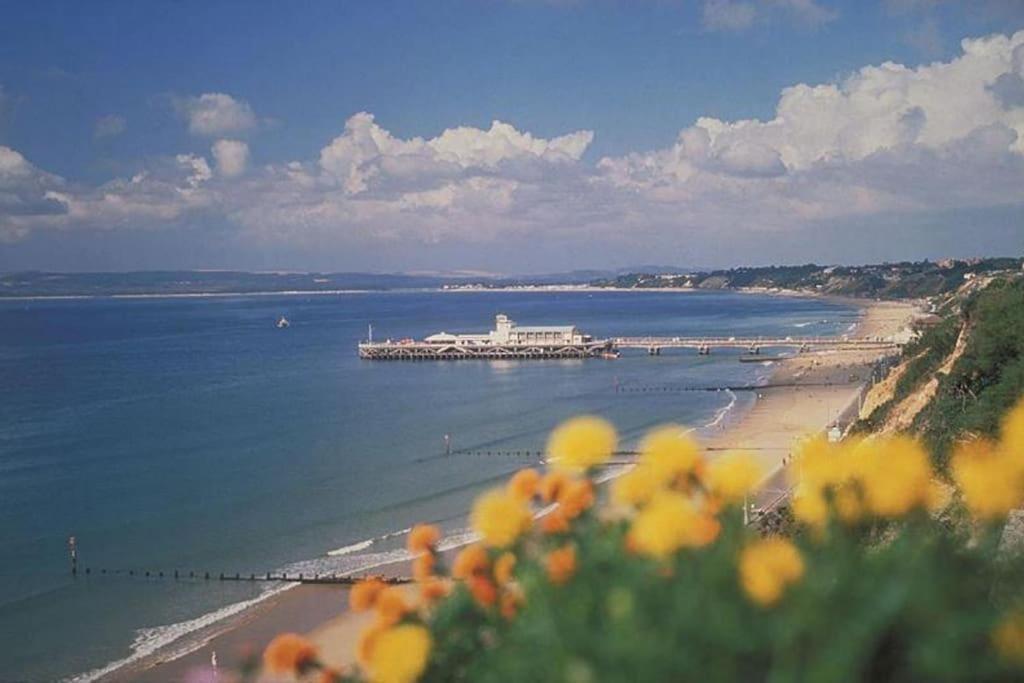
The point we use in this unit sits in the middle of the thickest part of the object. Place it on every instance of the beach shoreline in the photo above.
(810, 391)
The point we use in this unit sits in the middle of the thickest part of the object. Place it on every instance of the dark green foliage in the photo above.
(989, 376)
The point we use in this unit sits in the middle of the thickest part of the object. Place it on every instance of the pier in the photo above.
(585, 347)
(753, 345)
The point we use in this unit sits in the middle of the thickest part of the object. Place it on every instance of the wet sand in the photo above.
(818, 388)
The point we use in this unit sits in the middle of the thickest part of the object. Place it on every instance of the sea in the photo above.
(193, 434)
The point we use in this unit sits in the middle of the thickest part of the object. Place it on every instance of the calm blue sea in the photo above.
(192, 434)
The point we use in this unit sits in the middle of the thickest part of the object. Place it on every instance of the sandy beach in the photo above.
(806, 394)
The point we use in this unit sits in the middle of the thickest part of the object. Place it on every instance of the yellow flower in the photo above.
(810, 506)
(289, 653)
(1008, 637)
(732, 476)
(767, 566)
(503, 567)
(670, 453)
(818, 463)
(990, 479)
(670, 522)
(399, 654)
(896, 475)
(635, 488)
(422, 538)
(524, 484)
(581, 443)
(561, 564)
(500, 518)
(848, 504)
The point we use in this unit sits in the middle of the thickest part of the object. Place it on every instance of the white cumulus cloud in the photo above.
(214, 113)
(232, 156)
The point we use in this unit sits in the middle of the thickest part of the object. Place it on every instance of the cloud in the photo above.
(740, 15)
(232, 156)
(365, 154)
(109, 126)
(808, 12)
(25, 199)
(728, 15)
(887, 144)
(213, 114)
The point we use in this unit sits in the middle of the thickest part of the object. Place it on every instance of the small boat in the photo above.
(283, 323)
(610, 355)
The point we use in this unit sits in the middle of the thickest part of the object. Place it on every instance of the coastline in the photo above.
(818, 387)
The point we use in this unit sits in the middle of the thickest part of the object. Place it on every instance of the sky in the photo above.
(508, 136)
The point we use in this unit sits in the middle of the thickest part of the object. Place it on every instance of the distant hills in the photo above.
(889, 280)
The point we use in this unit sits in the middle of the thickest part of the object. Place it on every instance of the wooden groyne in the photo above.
(192, 575)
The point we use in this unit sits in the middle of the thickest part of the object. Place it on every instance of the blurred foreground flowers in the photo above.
(885, 571)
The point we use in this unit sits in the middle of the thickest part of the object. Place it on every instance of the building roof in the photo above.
(545, 328)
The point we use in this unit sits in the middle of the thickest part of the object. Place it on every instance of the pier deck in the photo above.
(704, 345)
(403, 350)
(421, 350)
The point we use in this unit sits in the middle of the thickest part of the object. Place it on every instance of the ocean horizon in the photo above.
(191, 434)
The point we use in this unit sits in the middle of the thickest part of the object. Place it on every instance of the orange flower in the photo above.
(524, 484)
(391, 606)
(561, 564)
(433, 588)
(367, 639)
(576, 496)
(705, 530)
(289, 653)
(422, 538)
(423, 566)
(551, 485)
(555, 522)
(483, 590)
(364, 594)
(471, 560)
(329, 675)
(510, 602)
(503, 567)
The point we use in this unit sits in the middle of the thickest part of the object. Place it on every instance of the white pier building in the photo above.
(506, 340)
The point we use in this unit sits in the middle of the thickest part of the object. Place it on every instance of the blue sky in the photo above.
(188, 134)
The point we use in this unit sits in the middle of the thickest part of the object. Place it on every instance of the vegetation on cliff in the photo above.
(889, 280)
(974, 358)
